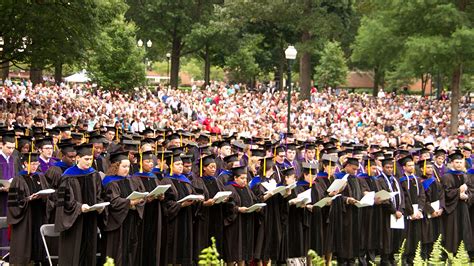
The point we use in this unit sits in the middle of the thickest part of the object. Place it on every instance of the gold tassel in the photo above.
(162, 159)
(180, 140)
(116, 134)
(329, 170)
(171, 165)
(16, 142)
(311, 177)
(29, 163)
(317, 154)
(368, 167)
(264, 167)
(141, 162)
(200, 167)
(394, 167)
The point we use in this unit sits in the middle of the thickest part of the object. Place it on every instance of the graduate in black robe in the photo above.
(456, 220)
(80, 188)
(432, 226)
(344, 219)
(414, 195)
(151, 227)
(238, 223)
(26, 213)
(180, 223)
(371, 229)
(390, 238)
(229, 162)
(269, 232)
(208, 220)
(297, 216)
(121, 234)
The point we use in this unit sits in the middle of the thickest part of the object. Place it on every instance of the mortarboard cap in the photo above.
(403, 161)
(84, 149)
(118, 156)
(239, 170)
(352, 161)
(288, 171)
(29, 157)
(455, 156)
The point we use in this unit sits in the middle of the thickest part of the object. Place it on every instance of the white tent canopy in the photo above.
(80, 77)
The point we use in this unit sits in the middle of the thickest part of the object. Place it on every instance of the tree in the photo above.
(116, 62)
(332, 69)
(375, 52)
(170, 21)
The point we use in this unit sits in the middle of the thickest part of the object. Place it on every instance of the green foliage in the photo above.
(209, 255)
(109, 262)
(437, 253)
(316, 260)
(242, 64)
(418, 260)
(401, 250)
(462, 258)
(332, 69)
(116, 62)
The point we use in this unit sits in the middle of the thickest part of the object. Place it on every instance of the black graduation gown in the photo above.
(432, 228)
(269, 235)
(180, 224)
(344, 222)
(319, 216)
(25, 218)
(150, 229)
(456, 220)
(370, 229)
(414, 194)
(238, 227)
(100, 164)
(296, 225)
(389, 238)
(122, 233)
(204, 229)
(78, 231)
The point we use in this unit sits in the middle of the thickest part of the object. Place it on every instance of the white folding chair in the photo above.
(48, 230)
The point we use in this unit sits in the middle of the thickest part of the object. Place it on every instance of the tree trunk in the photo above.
(280, 72)
(207, 66)
(455, 95)
(305, 69)
(58, 72)
(36, 71)
(175, 56)
(5, 70)
(375, 88)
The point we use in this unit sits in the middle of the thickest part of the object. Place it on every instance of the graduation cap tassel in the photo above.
(116, 134)
(200, 167)
(329, 169)
(424, 167)
(171, 165)
(264, 167)
(310, 176)
(141, 162)
(274, 154)
(16, 142)
(394, 167)
(317, 154)
(180, 140)
(162, 159)
(368, 167)
(29, 162)
(32, 146)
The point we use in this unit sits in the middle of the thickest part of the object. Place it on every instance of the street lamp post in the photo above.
(168, 56)
(290, 55)
(148, 45)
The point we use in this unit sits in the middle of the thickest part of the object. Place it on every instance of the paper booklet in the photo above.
(159, 190)
(337, 185)
(325, 201)
(137, 195)
(191, 197)
(397, 223)
(367, 200)
(256, 207)
(221, 196)
(45, 192)
(385, 195)
(415, 209)
(435, 205)
(6, 183)
(98, 206)
(299, 202)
